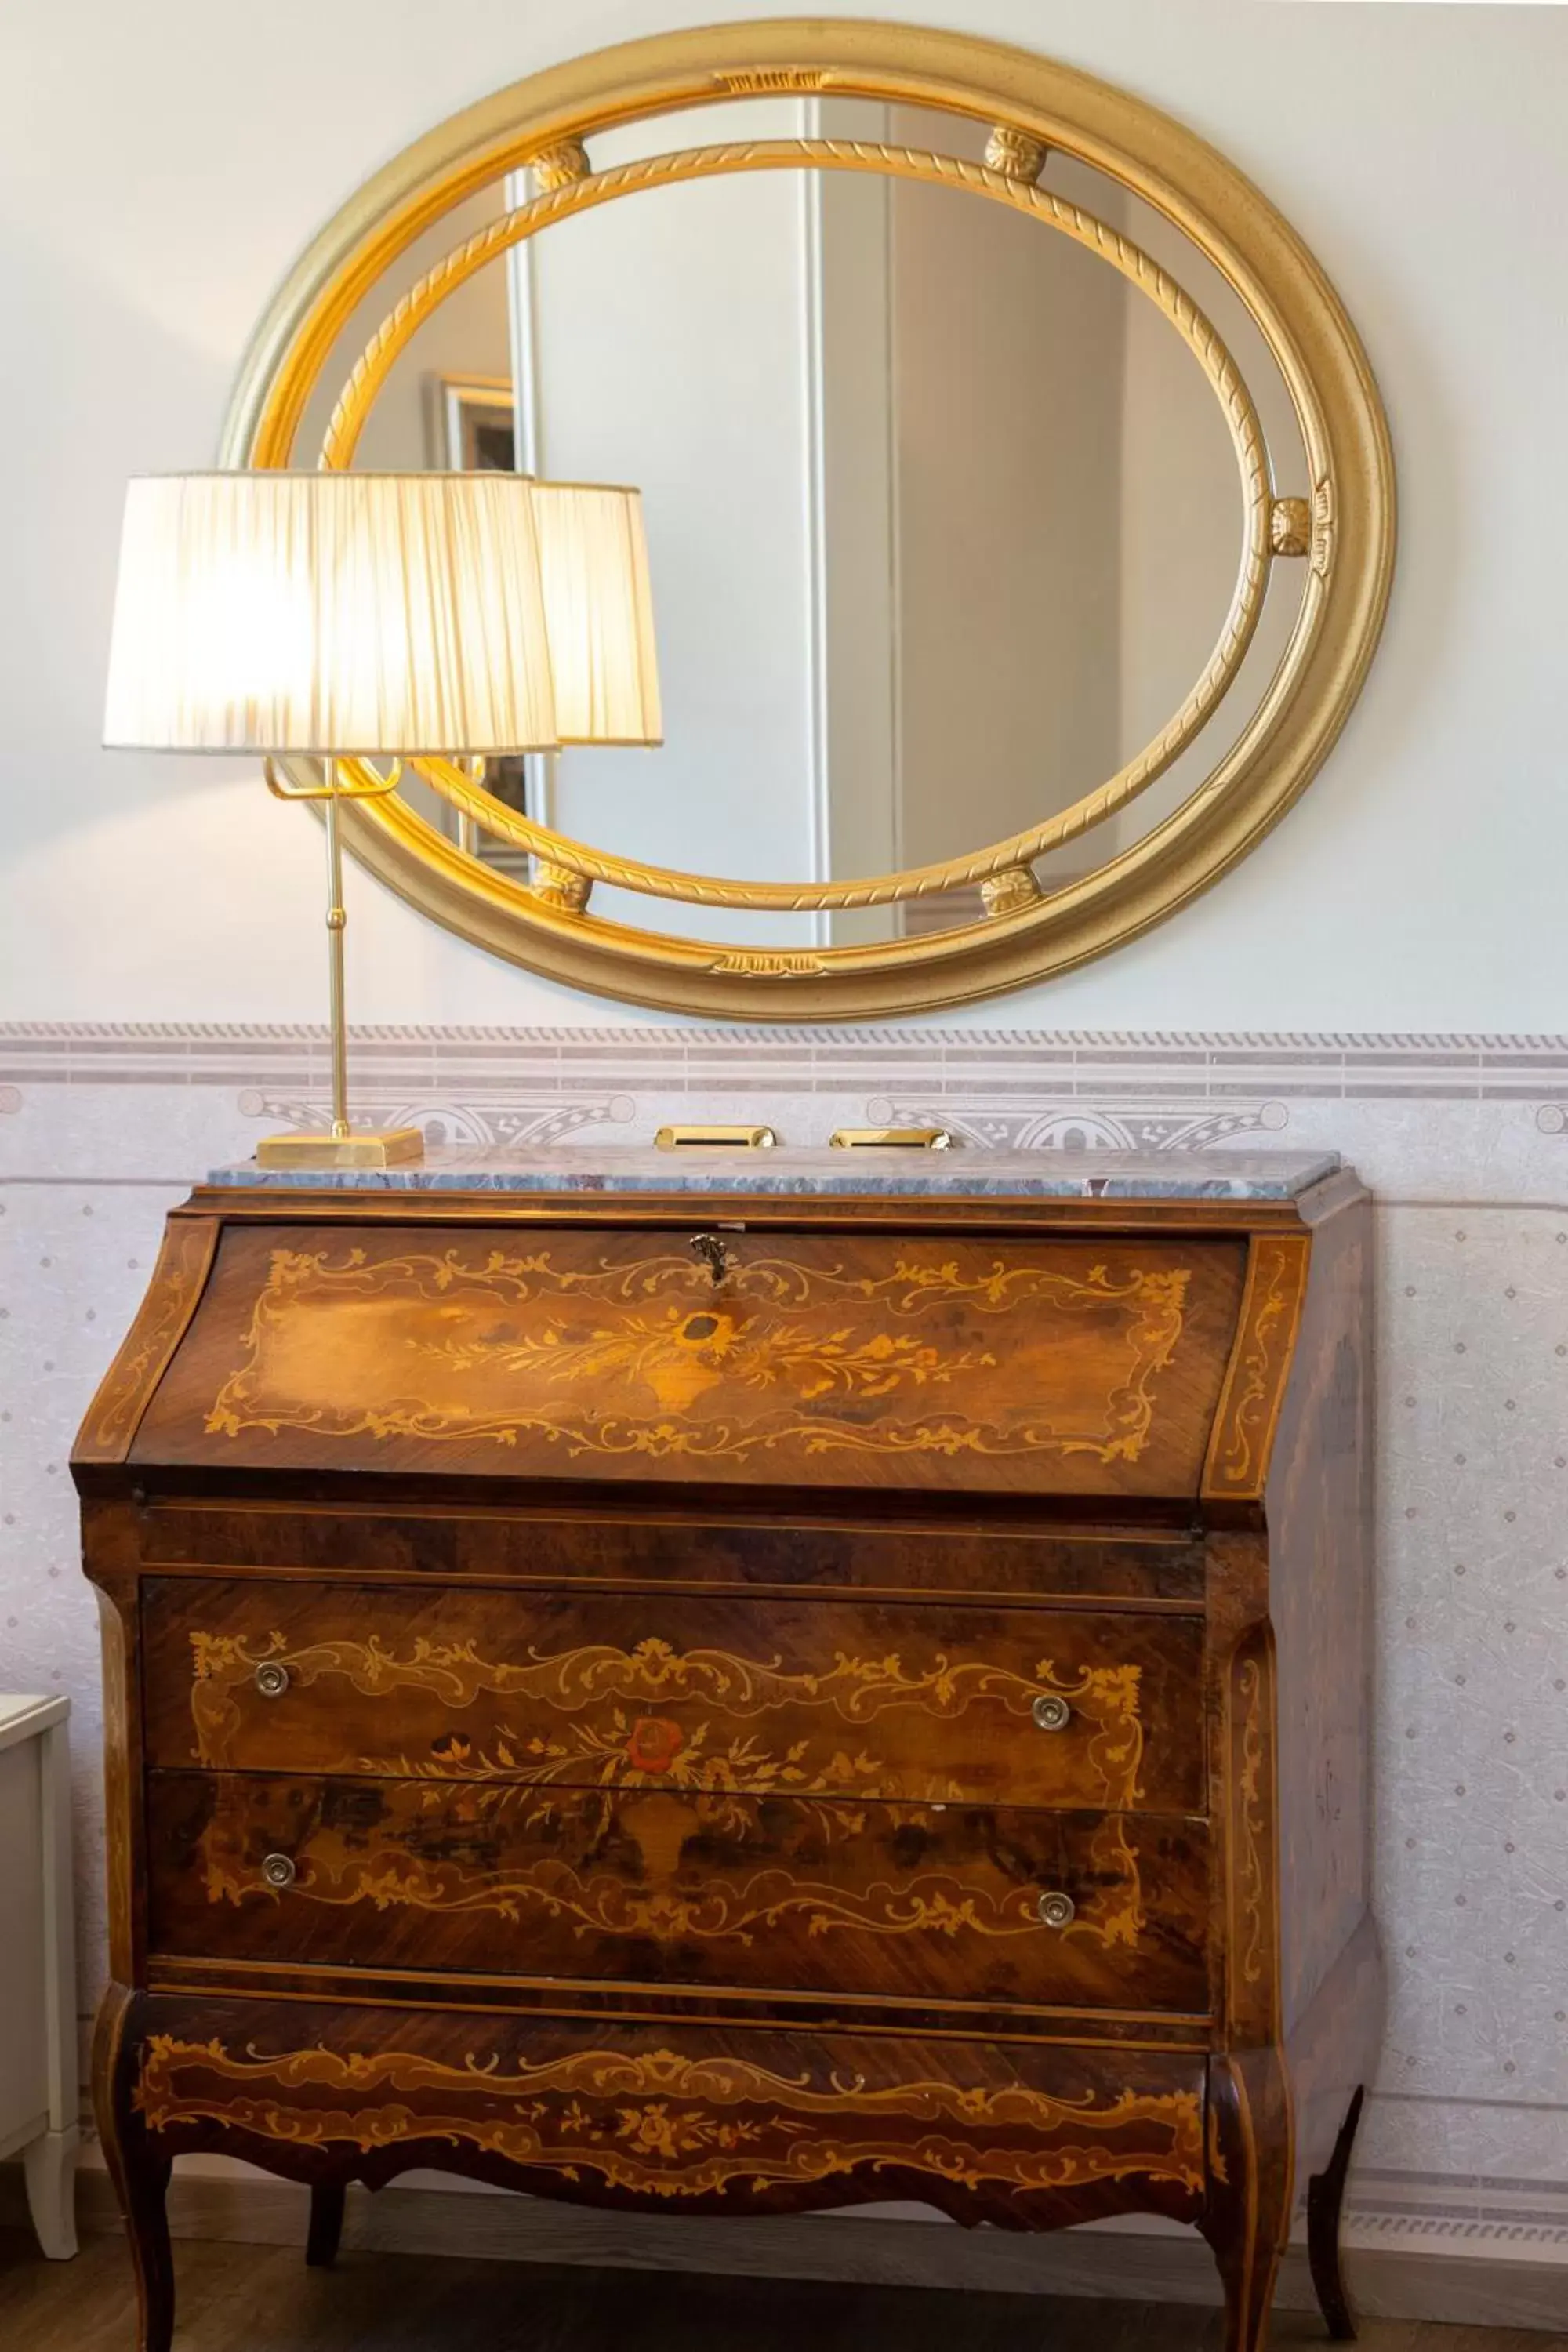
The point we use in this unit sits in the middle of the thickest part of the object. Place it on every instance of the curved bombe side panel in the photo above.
(184, 1261)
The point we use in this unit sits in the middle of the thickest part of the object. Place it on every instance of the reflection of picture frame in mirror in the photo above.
(471, 424)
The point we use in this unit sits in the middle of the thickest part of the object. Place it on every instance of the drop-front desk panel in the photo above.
(735, 1690)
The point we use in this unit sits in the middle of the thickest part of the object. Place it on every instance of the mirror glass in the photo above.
(943, 518)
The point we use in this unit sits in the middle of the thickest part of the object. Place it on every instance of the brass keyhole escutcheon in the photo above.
(278, 1871)
(272, 1680)
(713, 1253)
(1051, 1713)
(1055, 1909)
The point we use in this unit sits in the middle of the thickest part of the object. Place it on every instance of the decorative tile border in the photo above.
(1488, 1105)
(933, 1063)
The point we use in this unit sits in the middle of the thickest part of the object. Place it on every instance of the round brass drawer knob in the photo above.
(272, 1681)
(1051, 1713)
(1056, 1910)
(278, 1870)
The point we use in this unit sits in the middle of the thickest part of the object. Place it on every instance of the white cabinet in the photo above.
(38, 2091)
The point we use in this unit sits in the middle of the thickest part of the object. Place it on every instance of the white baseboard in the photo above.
(1399, 2267)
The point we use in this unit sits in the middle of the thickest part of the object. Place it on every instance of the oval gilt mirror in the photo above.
(1018, 502)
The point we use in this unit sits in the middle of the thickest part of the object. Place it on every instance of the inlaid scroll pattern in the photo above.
(618, 1748)
(618, 1349)
(1250, 1946)
(671, 2125)
(1248, 1410)
(176, 1283)
(711, 1906)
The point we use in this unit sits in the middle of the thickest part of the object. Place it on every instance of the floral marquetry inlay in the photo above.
(595, 1714)
(575, 1355)
(712, 1869)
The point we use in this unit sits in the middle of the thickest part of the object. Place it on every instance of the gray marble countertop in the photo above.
(961, 1173)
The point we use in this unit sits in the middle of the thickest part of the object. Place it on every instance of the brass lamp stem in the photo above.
(378, 1147)
(337, 921)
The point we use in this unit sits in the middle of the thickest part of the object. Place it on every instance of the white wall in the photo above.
(160, 167)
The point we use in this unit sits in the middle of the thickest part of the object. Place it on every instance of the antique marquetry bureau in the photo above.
(726, 1690)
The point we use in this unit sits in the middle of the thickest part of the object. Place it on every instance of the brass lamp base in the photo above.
(368, 1147)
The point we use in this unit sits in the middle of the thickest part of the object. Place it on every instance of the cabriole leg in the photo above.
(141, 2180)
(1251, 2167)
(1325, 2203)
(140, 2174)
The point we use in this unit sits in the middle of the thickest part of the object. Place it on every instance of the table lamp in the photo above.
(332, 615)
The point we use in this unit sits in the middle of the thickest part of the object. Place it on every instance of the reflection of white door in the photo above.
(968, 369)
(668, 349)
(1008, 344)
(727, 347)
(852, 494)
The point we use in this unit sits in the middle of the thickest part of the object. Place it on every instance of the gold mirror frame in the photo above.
(1339, 522)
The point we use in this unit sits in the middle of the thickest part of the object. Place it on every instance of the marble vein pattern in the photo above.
(892, 1172)
(1464, 1142)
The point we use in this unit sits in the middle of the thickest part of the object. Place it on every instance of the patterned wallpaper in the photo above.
(1463, 1140)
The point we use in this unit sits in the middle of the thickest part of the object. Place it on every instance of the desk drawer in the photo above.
(675, 2118)
(910, 1902)
(704, 1692)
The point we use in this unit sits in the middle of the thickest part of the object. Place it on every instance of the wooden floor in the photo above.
(237, 2298)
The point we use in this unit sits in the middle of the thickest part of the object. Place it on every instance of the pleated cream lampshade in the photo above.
(598, 607)
(331, 612)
